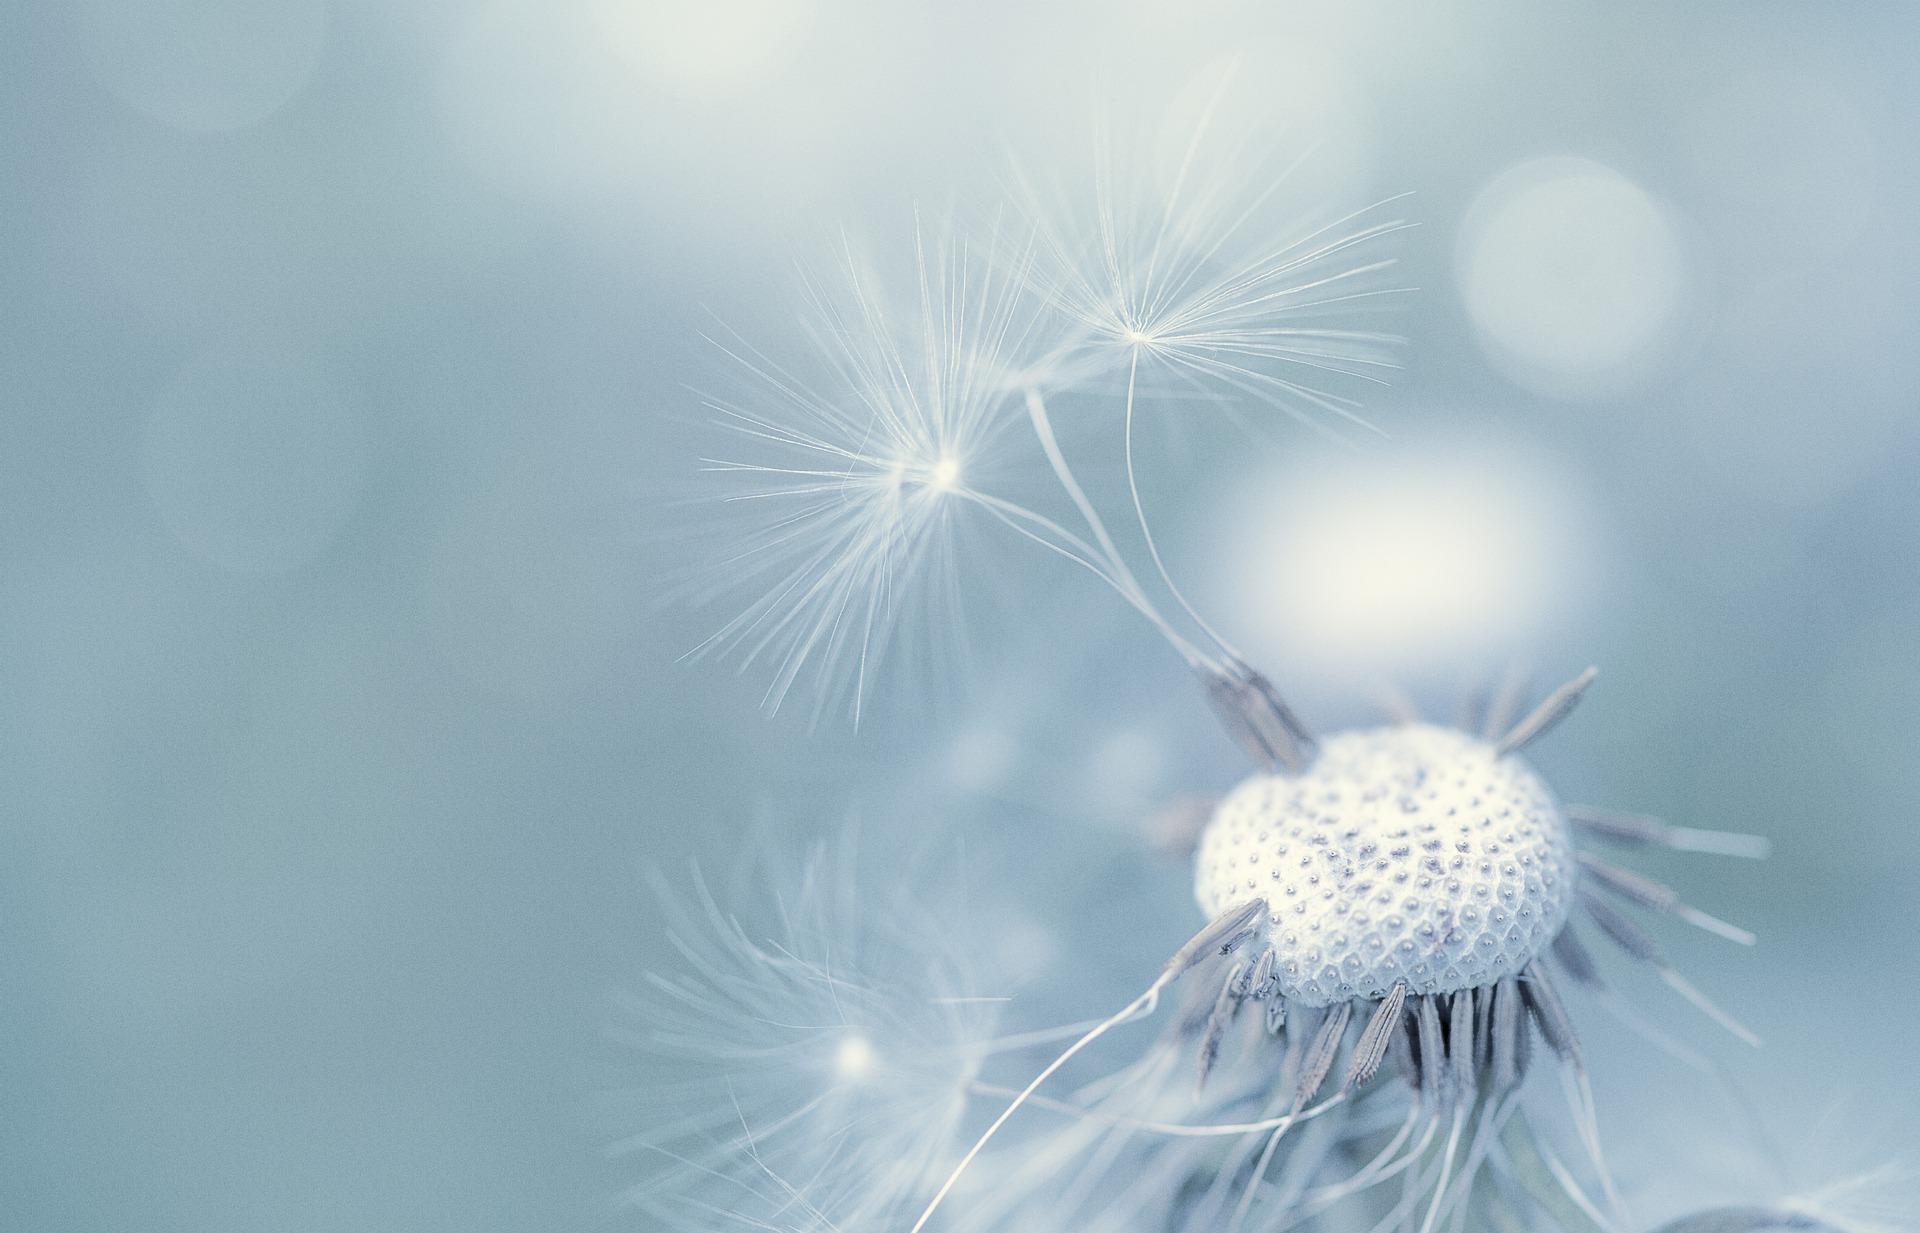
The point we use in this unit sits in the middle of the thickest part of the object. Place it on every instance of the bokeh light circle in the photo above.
(702, 49)
(1573, 275)
(203, 65)
(1411, 562)
(595, 109)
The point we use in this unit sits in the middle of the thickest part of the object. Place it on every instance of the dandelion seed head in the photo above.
(1413, 854)
(1386, 900)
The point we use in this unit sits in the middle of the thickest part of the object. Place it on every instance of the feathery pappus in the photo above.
(815, 1047)
(851, 481)
(1395, 915)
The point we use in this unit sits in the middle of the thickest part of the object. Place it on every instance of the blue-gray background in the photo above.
(342, 421)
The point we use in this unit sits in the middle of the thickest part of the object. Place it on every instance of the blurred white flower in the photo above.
(813, 1077)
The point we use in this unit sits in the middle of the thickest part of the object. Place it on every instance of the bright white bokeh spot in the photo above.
(853, 1058)
(576, 106)
(203, 65)
(945, 476)
(1405, 563)
(1573, 276)
(701, 49)
(1286, 112)
(981, 758)
(255, 459)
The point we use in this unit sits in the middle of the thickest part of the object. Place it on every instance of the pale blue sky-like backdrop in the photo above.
(346, 449)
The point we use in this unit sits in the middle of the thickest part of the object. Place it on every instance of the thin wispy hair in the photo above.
(846, 481)
(1214, 269)
(1212, 276)
(813, 1069)
(856, 481)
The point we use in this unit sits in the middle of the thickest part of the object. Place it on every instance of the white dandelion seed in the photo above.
(1400, 902)
(819, 1072)
(1204, 276)
(863, 476)
(1208, 275)
(852, 481)
(859, 484)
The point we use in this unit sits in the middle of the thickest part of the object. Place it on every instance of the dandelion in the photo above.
(820, 1072)
(1403, 901)
(1392, 912)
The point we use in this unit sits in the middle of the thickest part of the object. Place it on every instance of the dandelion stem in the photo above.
(1080, 553)
(1146, 532)
(1050, 445)
(1117, 574)
(1219, 936)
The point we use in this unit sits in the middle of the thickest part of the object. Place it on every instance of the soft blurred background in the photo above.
(344, 436)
